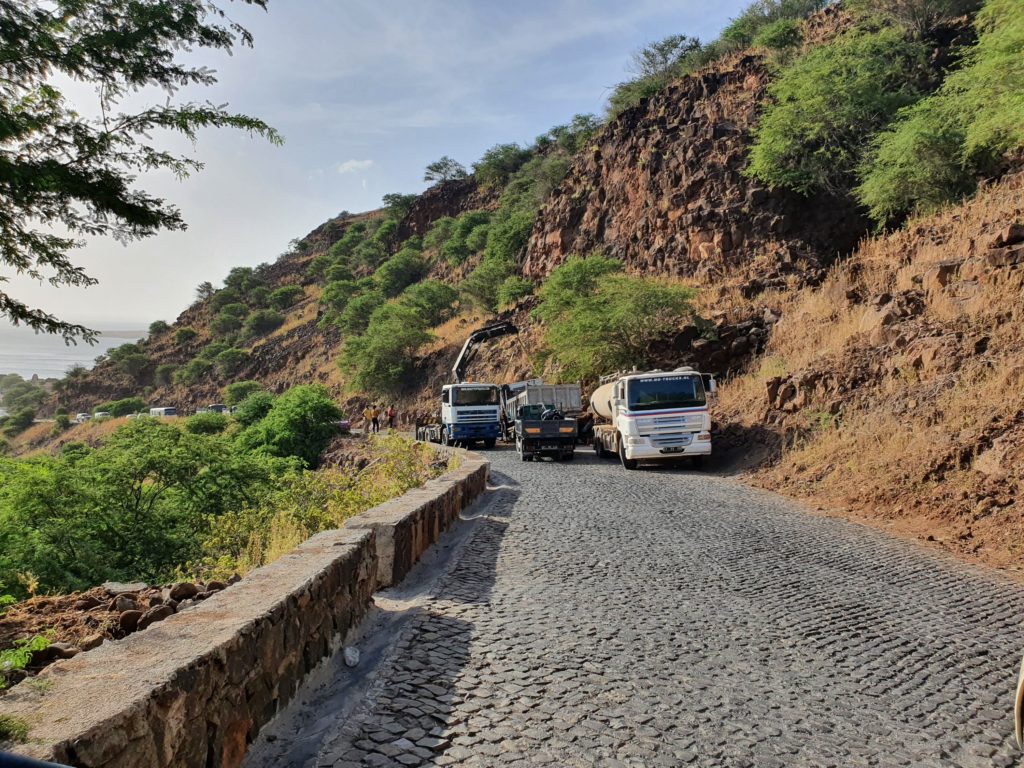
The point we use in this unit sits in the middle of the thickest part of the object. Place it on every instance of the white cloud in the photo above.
(352, 166)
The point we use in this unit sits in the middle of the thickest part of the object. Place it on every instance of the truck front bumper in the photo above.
(474, 431)
(645, 450)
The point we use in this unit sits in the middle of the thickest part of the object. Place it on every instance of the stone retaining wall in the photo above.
(194, 690)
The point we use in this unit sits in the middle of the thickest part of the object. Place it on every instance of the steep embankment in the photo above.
(895, 390)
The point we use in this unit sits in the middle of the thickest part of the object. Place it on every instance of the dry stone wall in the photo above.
(195, 689)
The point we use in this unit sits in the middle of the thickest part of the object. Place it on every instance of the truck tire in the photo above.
(444, 438)
(598, 447)
(629, 464)
(490, 442)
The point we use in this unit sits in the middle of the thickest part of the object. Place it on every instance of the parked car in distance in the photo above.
(81, 418)
(101, 415)
(217, 408)
(163, 412)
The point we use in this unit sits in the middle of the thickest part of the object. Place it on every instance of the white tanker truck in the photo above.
(653, 416)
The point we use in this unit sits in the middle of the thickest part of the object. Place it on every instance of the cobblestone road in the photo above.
(666, 618)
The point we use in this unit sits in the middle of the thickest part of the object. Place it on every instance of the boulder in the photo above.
(939, 275)
(92, 641)
(124, 603)
(117, 588)
(155, 614)
(86, 602)
(129, 621)
(183, 591)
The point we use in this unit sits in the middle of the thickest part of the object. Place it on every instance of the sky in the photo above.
(366, 94)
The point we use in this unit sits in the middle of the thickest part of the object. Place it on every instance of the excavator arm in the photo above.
(476, 338)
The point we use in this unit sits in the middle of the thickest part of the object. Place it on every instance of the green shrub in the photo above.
(13, 729)
(445, 169)
(761, 14)
(338, 272)
(512, 290)
(135, 508)
(259, 297)
(779, 35)
(456, 249)
(61, 423)
(223, 297)
(379, 360)
(403, 269)
(164, 374)
(214, 348)
(439, 233)
(18, 393)
(225, 325)
(828, 104)
(207, 423)
(938, 147)
(597, 321)
(263, 321)
(482, 284)
(15, 659)
(918, 16)
(129, 359)
(185, 335)
(230, 360)
(356, 315)
(240, 390)
(158, 327)
(432, 300)
(476, 240)
(193, 372)
(397, 205)
(300, 423)
(118, 408)
(237, 309)
(253, 408)
(499, 163)
(18, 421)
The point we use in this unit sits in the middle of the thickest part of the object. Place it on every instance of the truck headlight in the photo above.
(704, 437)
(636, 441)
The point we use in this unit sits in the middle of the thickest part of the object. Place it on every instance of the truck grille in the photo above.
(671, 440)
(469, 417)
(658, 424)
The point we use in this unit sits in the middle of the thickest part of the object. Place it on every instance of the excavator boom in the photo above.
(477, 337)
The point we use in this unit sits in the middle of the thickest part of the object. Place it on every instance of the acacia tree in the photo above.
(66, 174)
(445, 169)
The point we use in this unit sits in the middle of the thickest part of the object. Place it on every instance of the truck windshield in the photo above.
(665, 392)
(475, 396)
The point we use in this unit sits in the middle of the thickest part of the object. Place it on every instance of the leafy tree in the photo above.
(356, 315)
(499, 163)
(756, 17)
(397, 205)
(919, 16)
(225, 323)
(512, 290)
(259, 297)
(235, 309)
(403, 269)
(164, 374)
(205, 291)
(135, 508)
(242, 280)
(444, 169)
(456, 249)
(658, 59)
(230, 360)
(937, 148)
(300, 423)
(238, 391)
(337, 272)
(158, 327)
(61, 423)
(440, 232)
(614, 322)
(18, 421)
(18, 393)
(779, 35)
(263, 321)
(432, 300)
(379, 360)
(207, 423)
(185, 336)
(482, 284)
(253, 408)
(571, 137)
(62, 172)
(286, 296)
(193, 372)
(829, 103)
(129, 359)
(117, 408)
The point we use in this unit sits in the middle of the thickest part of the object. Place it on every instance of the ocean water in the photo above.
(30, 354)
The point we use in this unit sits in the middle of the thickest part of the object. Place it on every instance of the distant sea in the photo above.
(28, 354)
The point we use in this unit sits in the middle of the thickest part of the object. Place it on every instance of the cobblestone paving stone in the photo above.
(668, 618)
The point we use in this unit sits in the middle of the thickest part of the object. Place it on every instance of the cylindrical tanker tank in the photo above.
(601, 400)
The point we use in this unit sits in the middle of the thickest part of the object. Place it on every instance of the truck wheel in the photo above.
(626, 463)
(490, 442)
(444, 437)
(598, 448)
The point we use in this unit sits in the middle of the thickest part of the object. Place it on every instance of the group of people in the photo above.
(374, 414)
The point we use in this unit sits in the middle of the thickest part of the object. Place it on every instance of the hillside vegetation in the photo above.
(809, 206)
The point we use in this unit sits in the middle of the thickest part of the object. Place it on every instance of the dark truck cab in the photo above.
(541, 430)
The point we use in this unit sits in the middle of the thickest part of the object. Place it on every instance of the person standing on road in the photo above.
(376, 419)
(391, 416)
(369, 419)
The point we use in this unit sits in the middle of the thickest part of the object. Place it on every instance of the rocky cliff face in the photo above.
(662, 188)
